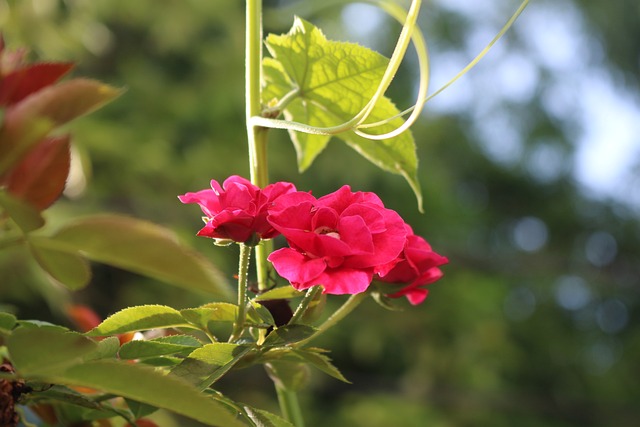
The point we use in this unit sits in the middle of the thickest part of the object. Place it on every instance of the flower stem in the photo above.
(289, 405)
(304, 304)
(243, 267)
(338, 315)
(256, 135)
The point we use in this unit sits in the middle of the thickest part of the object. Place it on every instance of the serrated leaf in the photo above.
(259, 315)
(287, 375)
(176, 345)
(66, 266)
(36, 351)
(139, 318)
(26, 217)
(207, 364)
(334, 82)
(213, 312)
(144, 384)
(288, 334)
(106, 349)
(144, 248)
(283, 292)
(321, 362)
(41, 175)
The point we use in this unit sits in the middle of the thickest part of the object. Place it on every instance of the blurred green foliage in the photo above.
(535, 322)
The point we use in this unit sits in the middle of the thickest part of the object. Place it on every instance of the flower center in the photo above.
(327, 231)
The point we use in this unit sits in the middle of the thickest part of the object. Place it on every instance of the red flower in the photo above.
(417, 266)
(338, 241)
(238, 210)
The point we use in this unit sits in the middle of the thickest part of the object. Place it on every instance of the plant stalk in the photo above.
(289, 406)
(243, 268)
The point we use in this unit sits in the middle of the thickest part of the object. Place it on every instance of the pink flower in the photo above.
(417, 266)
(338, 241)
(238, 210)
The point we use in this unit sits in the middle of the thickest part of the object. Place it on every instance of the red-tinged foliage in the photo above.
(40, 177)
(83, 317)
(20, 83)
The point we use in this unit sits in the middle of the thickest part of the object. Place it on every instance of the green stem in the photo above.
(243, 267)
(290, 406)
(338, 315)
(256, 135)
(304, 304)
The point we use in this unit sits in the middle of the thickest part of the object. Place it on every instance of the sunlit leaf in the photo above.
(146, 385)
(172, 345)
(41, 175)
(213, 312)
(36, 351)
(207, 364)
(144, 248)
(334, 81)
(262, 418)
(66, 266)
(24, 215)
(139, 318)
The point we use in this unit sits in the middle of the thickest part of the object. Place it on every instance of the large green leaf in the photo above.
(332, 82)
(212, 312)
(139, 318)
(261, 418)
(36, 351)
(144, 248)
(208, 363)
(66, 266)
(146, 385)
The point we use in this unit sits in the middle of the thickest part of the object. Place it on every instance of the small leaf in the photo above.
(213, 312)
(321, 362)
(139, 318)
(42, 174)
(35, 351)
(67, 267)
(24, 215)
(144, 384)
(291, 376)
(207, 364)
(288, 334)
(7, 322)
(259, 315)
(283, 292)
(262, 418)
(144, 248)
(106, 349)
(177, 345)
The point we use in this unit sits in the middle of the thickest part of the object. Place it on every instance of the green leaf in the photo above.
(144, 248)
(283, 292)
(261, 418)
(291, 376)
(65, 265)
(35, 351)
(7, 322)
(139, 318)
(310, 356)
(106, 349)
(144, 384)
(333, 81)
(26, 217)
(207, 364)
(288, 334)
(213, 312)
(178, 345)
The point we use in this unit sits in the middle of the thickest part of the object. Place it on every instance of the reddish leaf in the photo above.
(22, 82)
(27, 122)
(41, 176)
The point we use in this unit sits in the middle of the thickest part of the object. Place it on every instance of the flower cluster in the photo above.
(342, 241)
